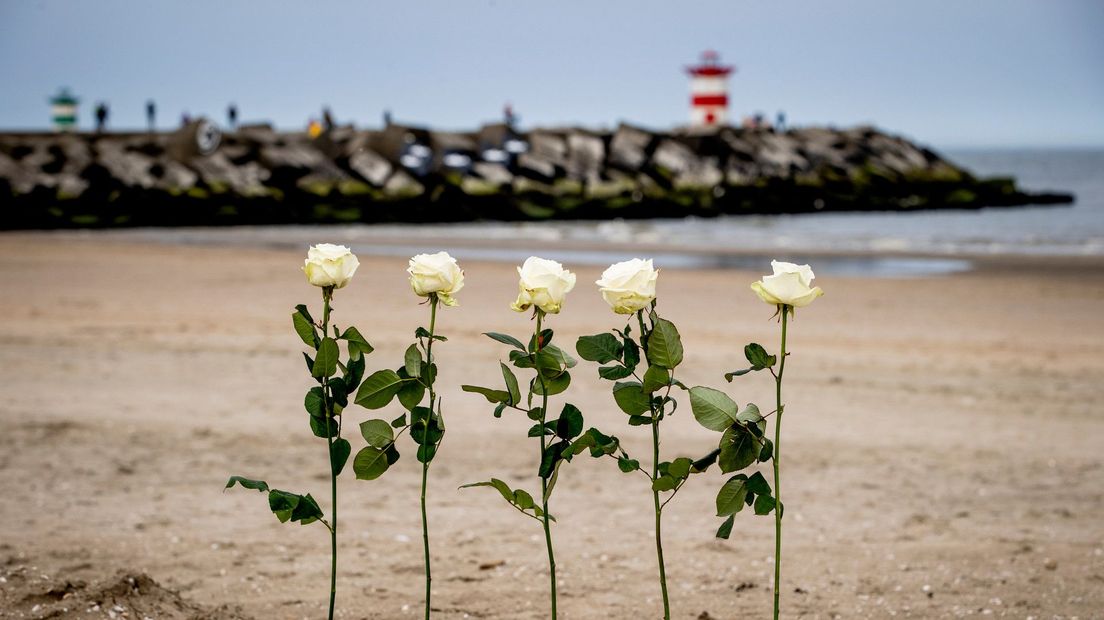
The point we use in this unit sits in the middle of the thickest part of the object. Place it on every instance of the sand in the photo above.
(942, 447)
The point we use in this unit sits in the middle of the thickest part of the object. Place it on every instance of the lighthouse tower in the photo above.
(709, 91)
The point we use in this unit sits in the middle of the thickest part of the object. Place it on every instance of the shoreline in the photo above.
(400, 241)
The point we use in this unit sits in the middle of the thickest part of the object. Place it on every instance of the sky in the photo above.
(949, 73)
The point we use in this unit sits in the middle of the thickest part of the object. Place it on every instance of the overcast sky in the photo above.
(947, 72)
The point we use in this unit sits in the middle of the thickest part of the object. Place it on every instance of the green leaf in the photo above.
(630, 398)
(499, 408)
(551, 455)
(726, 528)
(523, 499)
(680, 468)
(552, 385)
(399, 422)
(325, 364)
(664, 345)
(505, 339)
(704, 462)
(563, 360)
(601, 348)
(545, 341)
(758, 484)
(712, 409)
(502, 488)
(378, 389)
(377, 433)
(730, 499)
(613, 373)
(340, 393)
(426, 453)
(256, 485)
(631, 354)
(570, 423)
(539, 429)
(764, 504)
(412, 391)
(304, 326)
(315, 402)
(494, 396)
(758, 357)
(736, 373)
(370, 463)
(310, 362)
(511, 384)
(655, 378)
(358, 346)
(319, 426)
(412, 361)
(767, 452)
(664, 483)
(739, 448)
(307, 511)
(639, 420)
(354, 372)
(628, 465)
(282, 503)
(340, 455)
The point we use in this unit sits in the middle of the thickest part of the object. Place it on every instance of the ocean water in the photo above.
(869, 244)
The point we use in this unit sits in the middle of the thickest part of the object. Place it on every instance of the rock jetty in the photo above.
(256, 175)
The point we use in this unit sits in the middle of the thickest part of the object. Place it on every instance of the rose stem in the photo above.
(425, 465)
(544, 481)
(655, 493)
(775, 462)
(327, 294)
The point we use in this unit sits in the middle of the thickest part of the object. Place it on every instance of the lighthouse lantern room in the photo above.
(709, 91)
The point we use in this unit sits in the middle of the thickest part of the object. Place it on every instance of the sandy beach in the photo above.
(943, 446)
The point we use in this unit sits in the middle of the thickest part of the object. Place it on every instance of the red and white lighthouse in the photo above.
(709, 91)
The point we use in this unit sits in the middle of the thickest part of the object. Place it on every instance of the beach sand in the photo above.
(943, 446)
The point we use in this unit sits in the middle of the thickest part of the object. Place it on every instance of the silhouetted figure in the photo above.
(101, 116)
(151, 115)
(780, 121)
(232, 116)
(327, 118)
(508, 116)
(387, 118)
(185, 118)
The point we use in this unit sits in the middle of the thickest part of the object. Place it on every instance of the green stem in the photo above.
(659, 519)
(655, 493)
(777, 466)
(425, 465)
(544, 481)
(327, 295)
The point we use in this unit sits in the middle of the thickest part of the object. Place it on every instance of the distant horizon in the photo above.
(1008, 73)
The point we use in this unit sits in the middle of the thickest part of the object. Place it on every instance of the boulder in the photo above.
(370, 166)
(586, 155)
(629, 147)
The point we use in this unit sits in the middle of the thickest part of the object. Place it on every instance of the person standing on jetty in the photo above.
(151, 115)
(101, 117)
(232, 116)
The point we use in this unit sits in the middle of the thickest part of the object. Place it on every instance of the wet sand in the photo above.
(942, 446)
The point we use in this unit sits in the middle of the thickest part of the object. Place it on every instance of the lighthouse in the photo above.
(709, 91)
(63, 109)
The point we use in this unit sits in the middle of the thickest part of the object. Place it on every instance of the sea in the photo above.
(871, 244)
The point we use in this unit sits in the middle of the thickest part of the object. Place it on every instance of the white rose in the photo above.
(543, 283)
(329, 265)
(436, 273)
(790, 285)
(629, 286)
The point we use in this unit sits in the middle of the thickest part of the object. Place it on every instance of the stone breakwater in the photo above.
(255, 175)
